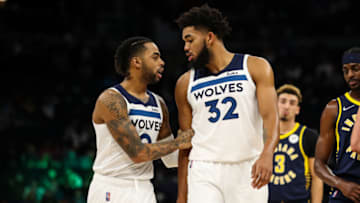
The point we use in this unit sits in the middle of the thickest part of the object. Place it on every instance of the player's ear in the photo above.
(210, 38)
(136, 62)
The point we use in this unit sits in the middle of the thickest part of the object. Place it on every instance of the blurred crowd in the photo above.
(57, 56)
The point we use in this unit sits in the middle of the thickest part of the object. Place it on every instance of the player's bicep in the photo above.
(326, 139)
(114, 113)
(184, 112)
(183, 106)
(263, 77)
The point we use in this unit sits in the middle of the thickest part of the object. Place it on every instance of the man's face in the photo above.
(288, 105)
(352, 75)
(195, 47)
(153, 65)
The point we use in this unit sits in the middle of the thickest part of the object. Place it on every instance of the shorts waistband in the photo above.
(118, 181)
(250, 159)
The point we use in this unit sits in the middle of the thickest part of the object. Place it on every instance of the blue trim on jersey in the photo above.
(236, 63)
(134, 112)
(218, 81)
(133, 100)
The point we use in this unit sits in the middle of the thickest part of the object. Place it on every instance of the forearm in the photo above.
(127, 137)
(325, 174)
(182, 175)
(157, 150)
(316, 190)
(271, 133)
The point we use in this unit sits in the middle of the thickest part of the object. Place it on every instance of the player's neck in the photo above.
(286, 126)
(220, 57)
(355, 94)
(136, 88)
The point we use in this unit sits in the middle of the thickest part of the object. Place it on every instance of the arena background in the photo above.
(57, 56)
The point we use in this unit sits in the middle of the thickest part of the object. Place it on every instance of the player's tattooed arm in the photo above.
(114, 113)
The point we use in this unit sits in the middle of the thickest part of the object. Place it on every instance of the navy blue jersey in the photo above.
(347, 162)
(291, 174)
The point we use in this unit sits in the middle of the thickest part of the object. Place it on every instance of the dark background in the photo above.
(57, 56)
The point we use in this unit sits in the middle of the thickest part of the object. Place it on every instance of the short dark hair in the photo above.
(205, 17)
(126, 50)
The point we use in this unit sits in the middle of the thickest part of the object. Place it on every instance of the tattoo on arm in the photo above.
(125, 133)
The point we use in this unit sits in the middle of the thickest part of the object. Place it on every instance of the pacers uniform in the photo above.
(116, 177)
(347, 162)
(228, 135)
(291, 177)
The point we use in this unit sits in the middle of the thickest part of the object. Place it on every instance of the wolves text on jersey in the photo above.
(146, 124)
(218, 90)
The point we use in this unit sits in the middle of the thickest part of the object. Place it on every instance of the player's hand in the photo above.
(184, 138)
(350, 190)
(262, 170)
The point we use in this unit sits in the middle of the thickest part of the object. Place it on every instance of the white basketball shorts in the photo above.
(216, 182)
(110, 190)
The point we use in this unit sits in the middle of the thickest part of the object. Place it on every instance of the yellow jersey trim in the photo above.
(283, 136)
(337, 136)
(351, 99)
(306, 159)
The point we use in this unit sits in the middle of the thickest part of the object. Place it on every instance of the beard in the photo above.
(202, 60)
(148, 76)
(284, 118)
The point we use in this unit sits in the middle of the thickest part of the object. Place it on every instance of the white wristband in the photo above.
(170, 160)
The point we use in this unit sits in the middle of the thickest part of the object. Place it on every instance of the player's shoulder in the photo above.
(183, 80)
(259, 68)
(332, 105)
(108, 101)
(330, 111)
(109, 94)
(332, 102)
(256, 59)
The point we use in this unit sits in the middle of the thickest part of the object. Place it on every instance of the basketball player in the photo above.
(336, 124)
(294, 173)
(355, 135)
(226, 98)
(128, 120)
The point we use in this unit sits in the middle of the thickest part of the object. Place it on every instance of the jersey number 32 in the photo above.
(214, 109)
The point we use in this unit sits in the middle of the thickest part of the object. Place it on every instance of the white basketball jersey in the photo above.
(111, 159)
(226, 120)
